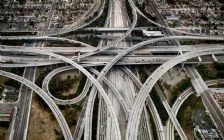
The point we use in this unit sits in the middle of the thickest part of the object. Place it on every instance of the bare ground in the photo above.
(41, 124)
(3, 131)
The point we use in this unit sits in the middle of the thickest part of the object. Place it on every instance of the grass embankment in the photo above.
(214, 71)
(159, 106)
(91, 40)
(186, 112)
(180, 87)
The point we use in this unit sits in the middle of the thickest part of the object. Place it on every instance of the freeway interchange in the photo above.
(134, 108)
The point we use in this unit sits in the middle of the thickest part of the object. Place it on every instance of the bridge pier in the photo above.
(200, 60)
(180, 52)
(161, 78)
(215, 59)
(78, 56)
(182, 65)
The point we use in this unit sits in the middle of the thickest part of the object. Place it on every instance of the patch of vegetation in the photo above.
(95, 119)
(41, 76)
(83, 31)
(220, 68)
(219, 85)
(186, 111)
(61, 44)
(60, 137)
(142, 74)
(17, 33)
(221, 1)
(1, 89)
(180, 87)
(4, 129)
(171, 2)
(205, 72)
(43, 105)
(200, 105)
(91, 40)
(11, 82)
(187, 43)
(217, 71)
(99, 22)
(70, 114)
(14, 43)
(129, 10)
(159, 106)
(57, 86)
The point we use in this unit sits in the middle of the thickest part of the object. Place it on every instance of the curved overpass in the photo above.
(90, 103)
(93, 80)
(176, 106)
(57, 113)
(119, 56)
(73, 41)
(45, 87)
(112, 44)
(64, 30)
(151, 106)
(109, 65)
(132, 130)
(44, 38)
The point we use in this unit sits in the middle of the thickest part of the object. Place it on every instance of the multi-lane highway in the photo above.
(116, 19)
(133, 105)
(133, 122)
(24, 105)
(168, 108)
(25, 99)
(46, 98)
(211, 105)
(150, 41)
(150, 104)
(136, 46)
(177, 104)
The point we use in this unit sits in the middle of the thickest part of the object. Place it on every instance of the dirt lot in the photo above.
(42, 125)
(3, 131)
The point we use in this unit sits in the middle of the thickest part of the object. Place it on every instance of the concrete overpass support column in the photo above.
(180, 52)
(215, 59)
(78, 56)
(169, 72)
(182, 65)
(79, 60)
(99, 125)
(50, 56)
(200, 60)
(182, 68)
(162, 79)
